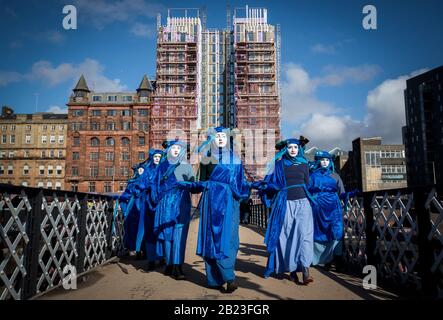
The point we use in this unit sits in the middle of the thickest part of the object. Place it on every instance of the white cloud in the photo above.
(383, 116)
(386, 108)
(57, 109)
(323, 48)
(51, 75)
(7, 77)
(52, 36)
(101, 13)
(338, 75)
(143, 30)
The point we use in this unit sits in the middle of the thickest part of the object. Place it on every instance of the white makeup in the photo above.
(324, 162)
(293, 150)
(175, 150)
(221, 139)
(156, 159)
(140, 170)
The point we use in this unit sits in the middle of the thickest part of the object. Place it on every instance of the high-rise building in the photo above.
(423, 133)
(372, 166)
(33, 149)
(213, 77)
(108, 133)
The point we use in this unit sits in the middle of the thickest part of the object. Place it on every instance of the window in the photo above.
(143, 112)
(12, 139)
(107, 187)
(109, 171)
(110, 141)
(95, 126)
(112, 98)
(58, 185)
(4, 128)
(53, 128)
(124, 172)
(10, 170)
(126, 125)
(25, 169)
(93, 156)
(52, 139)
(13, 127)
(51, 154)
(61, 127)
(126, 112)
(11, 154)
(96, 113)
(24, 184)
(28, 127)
(44, 139)
(40, 184)
(121, 186)
(75, 171)
(49, 185)
(127, 98)
(96, 99)
(77, 113)
(125, 141)
(110, 126)
(26, 154)
(43, 154)
(75, 156)
(74, 187)
(141, 156)
(111, 112)
(76, 141)
(61, 139)
(125, 155)
(3, 138)
(91, 187)
(27, 139)
(109, 156)
(45, 127)
(2, 154)
(2, 170)
(58, 170)
(95, 142)
(93, 171)
(141, 141)
(50, 170)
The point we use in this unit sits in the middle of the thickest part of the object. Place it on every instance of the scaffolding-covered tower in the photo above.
(256, 46)
(178, 91)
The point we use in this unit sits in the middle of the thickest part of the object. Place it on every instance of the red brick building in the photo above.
(108, 133)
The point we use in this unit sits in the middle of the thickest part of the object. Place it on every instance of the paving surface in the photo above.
(127, 279)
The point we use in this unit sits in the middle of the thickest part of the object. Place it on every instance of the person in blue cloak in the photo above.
(132, 202)
(222, 177)
(326, 187)
(154, 249)
(290, 233)
(173, 205)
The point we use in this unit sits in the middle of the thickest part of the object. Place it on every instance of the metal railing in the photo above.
(398, 231)
(42, 231)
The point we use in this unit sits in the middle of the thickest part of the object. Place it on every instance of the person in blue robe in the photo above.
(132, 202)
(173, 206)
(290, 232)
(225, 186)
(326, 187)
(154, 249)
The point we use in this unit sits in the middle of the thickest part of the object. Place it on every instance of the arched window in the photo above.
(95, 142)
(125, 141)
(110, 141)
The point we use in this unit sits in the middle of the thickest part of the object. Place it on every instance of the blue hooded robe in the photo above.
(154, 248)
(225, 187)
(132, 202)
(326, 186)
(289, 236)
(172, 204)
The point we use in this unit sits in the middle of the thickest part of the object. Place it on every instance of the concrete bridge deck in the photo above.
(126, 279)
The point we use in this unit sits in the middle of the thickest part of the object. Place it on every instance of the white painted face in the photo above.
(156, 159)
(175, 150)
(324, 162)
(140, 171)
(221, 139)
(293, 150)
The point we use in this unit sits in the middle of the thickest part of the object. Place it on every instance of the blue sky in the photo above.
(339, 81)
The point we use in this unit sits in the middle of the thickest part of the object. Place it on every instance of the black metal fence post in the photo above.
(110, 221)
(371, 236)
(31, 259)
(425, 250)
(81, 236)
